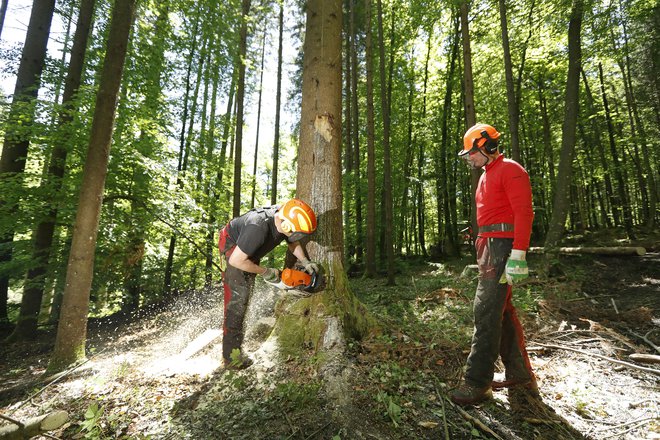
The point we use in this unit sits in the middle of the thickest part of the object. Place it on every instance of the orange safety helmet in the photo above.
(298, 219)
(480, 136)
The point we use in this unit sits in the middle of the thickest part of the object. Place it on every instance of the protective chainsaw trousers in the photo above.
(238, 286)
(497, 330)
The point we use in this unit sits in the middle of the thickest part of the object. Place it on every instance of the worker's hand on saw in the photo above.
(516, 267)
(309, 266)
(271, 275)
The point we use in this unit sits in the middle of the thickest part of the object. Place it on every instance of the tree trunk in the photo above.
(256, 142)
(240, 95)
(571, 105)
(3, 13)
(26, 326)
(278, 104)
(601, 152)
(370, 262)
(622, 201)
(451, 246)
(17, 138)
(335, 315)
(357, 160)
(387, 162)
(182, 142)
(512, 102)
(468, 102)
(72, 328)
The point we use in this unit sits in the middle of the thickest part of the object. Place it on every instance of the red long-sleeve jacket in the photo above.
(504, 195)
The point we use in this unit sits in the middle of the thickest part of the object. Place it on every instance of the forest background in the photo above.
(573, 87)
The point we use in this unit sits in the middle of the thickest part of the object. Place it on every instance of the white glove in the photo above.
(516, 267)
(310, 267)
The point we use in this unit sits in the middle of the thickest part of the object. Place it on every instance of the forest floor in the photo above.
(159, 376)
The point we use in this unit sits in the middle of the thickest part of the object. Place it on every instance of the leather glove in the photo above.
(309, 266)
(516, 267)
(271, 275)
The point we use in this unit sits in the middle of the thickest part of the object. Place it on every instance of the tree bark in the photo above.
(72, 328)
(17, 135)
(240, 95)
(3, 13)
(26, 325)
(571, 105)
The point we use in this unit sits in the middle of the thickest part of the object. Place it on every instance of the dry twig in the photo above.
(614, 361)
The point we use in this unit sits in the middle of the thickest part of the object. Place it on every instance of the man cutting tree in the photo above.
(504, 217)
(242, 244)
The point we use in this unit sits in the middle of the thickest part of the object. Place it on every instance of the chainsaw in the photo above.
(298, 279)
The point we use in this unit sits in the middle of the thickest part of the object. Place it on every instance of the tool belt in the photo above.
(226, 246)
(496, 227)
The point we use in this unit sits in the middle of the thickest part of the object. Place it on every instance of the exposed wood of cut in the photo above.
(34, 426)
(605, 250)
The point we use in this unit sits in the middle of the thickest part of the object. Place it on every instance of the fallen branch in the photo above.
(646, 339)
(478, 423)
(614, 361)
(608, 250)
(34, 426)
(643, 357)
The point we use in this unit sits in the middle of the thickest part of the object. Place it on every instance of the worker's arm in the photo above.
(241, 260)
(297, 250)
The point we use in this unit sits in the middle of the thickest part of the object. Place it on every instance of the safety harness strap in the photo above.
(496, 227)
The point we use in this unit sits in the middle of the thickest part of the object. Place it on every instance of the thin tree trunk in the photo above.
(256, 142)
(387, 161)
(510, 91)
(370, 262)
(26, 326)
(468, 102)
(3, 13)
(349, 239)
(622, 201)
(72, 328)
(601, 153)
(17, 138)
(421, 156)
(562, 192)
(278, 104)
(356, 144)
(240, 95)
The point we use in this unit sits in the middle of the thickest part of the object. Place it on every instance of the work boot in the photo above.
(470, 395)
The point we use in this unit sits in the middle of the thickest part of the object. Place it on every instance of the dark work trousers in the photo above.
(497, 330)
(238, 286)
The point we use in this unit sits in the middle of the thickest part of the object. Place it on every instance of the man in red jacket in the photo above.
(504, 217)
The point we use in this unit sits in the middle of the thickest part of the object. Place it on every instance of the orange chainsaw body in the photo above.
(294, 278)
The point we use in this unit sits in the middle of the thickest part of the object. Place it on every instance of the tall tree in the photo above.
(468, 103)
(278, 105)
(18, 127)
(334, 315)
(370, 257)
(512, 100)
(72, 328)
(240, 97)
(3, 13)
(26, 325)
(561, 201)
(357, 159)
(256, 142)
(387, 160)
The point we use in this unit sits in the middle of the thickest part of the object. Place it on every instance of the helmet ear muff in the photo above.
(490, 146)
(287, 226)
